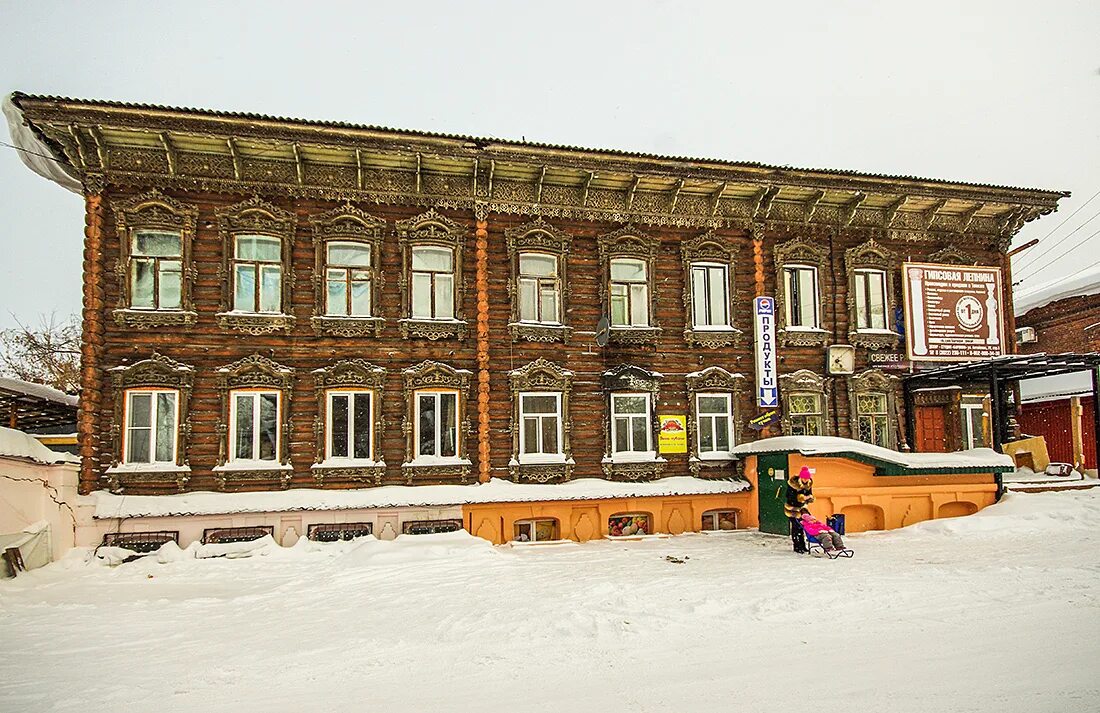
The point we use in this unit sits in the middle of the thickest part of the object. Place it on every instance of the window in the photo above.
(720, 520)
(630, 523)
(151, 418)
(874, 425)
(437, 424)
(714, 419)
(806, 418)
(801, 286)
(973, 412)
(710, 295)
(538, 530)
(350, 424)
(254, 424)
(430, 527)
(630, 423)
(432, 283)
(629, 293)
(540, 424)
(156, 269)
(257, 274)
(348, 280)
(870, 299)
(339, 531)
(539, 288)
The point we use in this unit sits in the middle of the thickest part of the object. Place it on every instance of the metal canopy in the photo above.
(34, 407)
(997, 373)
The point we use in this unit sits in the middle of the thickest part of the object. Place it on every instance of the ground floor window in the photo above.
(973, 413)
(350, 425)
(429, 527)
(806, 415)
(151, 416)
(255, 425)
(720, 520)
(538, 530)
(873, 419)
(714, 423)
(629, 523)
(437, 424)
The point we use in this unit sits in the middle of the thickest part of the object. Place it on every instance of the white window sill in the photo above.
(628, 327)
(350, 317)
(438, 320)
(242, 313)
(877, 331)
(634, 457)
(815, 330)
(240, 465)
(714, 457)
(526, 323)
(714, 328)
(423, 461)
(149, 468)
(348, 463)
(542, 459)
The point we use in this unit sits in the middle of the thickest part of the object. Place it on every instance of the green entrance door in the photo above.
(771, 489)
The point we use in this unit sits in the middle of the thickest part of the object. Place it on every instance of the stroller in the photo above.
(815, 547)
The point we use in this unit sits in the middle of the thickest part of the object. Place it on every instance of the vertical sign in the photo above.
(953, 312)
(767, 384)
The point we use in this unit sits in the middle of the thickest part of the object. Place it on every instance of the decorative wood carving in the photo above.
(541, 375)
(872, 255)
(712, 380)
(799, 251)
(951, 255)
(432, 375)
(255, 371)
(805, 381)
(628, 241)
(541, 237)
(349, 374)
(627, 377)
(710, 248)
(347, 224)
(431, 228)
(874, 381)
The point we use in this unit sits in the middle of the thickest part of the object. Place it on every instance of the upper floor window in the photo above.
(710, 295)
(800, 282)
(156, 269)
(630, 423)
(151, 419)
(437, 424)
(714, 424)
(348, 277)
(254, 425)
(629, 293)
(350, 425)
(433, 283)
(257, 274)
(539, 288)
(870, 286)
(540, 425)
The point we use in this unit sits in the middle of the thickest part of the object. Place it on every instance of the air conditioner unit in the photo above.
(1026, 335)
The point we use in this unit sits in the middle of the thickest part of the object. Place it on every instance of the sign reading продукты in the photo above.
(767, 384)
(953, 312)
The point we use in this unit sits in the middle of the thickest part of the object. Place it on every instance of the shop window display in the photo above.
(627, 524)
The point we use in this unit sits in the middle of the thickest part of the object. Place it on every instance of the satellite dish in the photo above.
(603, 331)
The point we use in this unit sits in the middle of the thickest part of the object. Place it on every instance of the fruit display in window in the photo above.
(625, 525)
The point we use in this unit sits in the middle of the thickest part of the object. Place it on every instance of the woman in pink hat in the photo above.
(800, 494)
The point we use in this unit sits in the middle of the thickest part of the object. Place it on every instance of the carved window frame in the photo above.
(155, 211)
(629, 242)
(256, 217)
(541, 237)
(872, 255)
(951, 255)
(712, 249)
(431, 229)
(627, 378)
(160, 372)
(874, 381)
(431, 375)
(805, 381)
(712, 380)
(254, 372)
(348, 375)
(541, 376)
(797, 252)
(347, 224)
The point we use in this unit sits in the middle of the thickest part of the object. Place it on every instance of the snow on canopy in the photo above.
(1080, 285)
(16, 444)
(832, 445)
(108, 505)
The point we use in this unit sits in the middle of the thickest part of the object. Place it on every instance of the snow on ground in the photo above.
(999, 611)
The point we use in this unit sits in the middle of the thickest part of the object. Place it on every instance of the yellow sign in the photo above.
(674, 434)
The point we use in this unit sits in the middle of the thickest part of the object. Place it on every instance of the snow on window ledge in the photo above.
(426, 461)
(149, 468)
(348, 463)
(241, 465)
(715, 328)
(634, 457)
(813, 330)
(715, 457)
(542, 459)
(869, 330)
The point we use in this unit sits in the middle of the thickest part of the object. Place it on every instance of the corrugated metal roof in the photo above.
(482, 142)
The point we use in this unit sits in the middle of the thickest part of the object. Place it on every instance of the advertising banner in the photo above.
(673, 438)
(953, 312)
(767, 381)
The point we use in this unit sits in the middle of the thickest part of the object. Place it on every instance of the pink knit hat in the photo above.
(804, 474)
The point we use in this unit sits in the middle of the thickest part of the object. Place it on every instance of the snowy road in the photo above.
(999, 611)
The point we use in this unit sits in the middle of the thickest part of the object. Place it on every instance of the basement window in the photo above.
(629, 523)
(336, 531)
(430, 527)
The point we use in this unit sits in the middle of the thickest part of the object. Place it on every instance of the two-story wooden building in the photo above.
(279, 304)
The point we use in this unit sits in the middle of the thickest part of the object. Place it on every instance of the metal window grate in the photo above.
(332, 532)
(430, 527)
(236, 534)
(143, 542)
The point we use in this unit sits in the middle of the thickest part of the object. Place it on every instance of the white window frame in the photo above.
(972, 438)
(157, 269)
(790, 288)
(706, 294)
(351, 394)
(533, 521)
(715, 514)
(540, 457)
(862, 298)
(714, 454)
(152, 427)
(417, 455)
(434, 288)
(540, 281)
(349, 279)
(647, 298)
(259, 266)
(649, 451)
(232, 434)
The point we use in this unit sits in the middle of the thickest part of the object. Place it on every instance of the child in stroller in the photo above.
(827, 537)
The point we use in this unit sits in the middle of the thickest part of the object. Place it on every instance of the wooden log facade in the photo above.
(210, 177)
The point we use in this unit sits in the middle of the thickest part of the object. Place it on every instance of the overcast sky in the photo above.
(997, 92)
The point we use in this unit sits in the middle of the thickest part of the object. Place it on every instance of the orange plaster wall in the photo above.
(871, 502)
(583, 520)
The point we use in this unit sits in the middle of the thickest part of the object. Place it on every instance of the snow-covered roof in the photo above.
(37, 390)
(1061, 386)
(1087, 282)
(108, 505)
(16, 444)
(974, 459)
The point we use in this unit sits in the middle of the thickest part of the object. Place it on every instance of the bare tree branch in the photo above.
(48, 354)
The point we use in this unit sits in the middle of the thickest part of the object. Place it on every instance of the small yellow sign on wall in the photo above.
(673, 434)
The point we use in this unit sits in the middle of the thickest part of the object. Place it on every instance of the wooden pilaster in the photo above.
(91, 342)
(482, 284)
